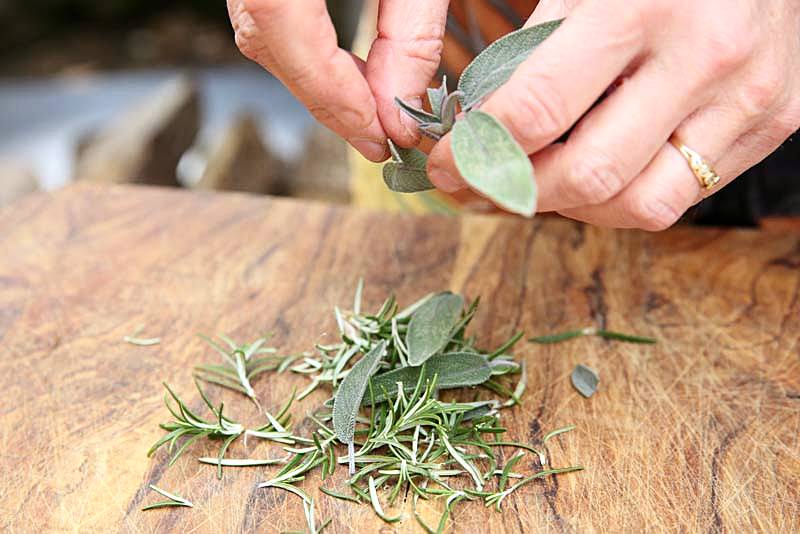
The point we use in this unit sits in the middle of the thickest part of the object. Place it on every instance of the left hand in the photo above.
(723, 75)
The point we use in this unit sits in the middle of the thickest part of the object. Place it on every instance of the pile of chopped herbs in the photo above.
(415, 412)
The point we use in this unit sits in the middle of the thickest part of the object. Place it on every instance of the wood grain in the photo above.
(698, 433)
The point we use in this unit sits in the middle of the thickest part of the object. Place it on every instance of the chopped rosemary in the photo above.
(134, 338)
(173, 500)
(591, 331)
(386, 415)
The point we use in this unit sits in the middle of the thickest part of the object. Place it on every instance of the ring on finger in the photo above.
(704, 172)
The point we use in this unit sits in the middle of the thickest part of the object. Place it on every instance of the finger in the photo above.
(442, 170)
(667, 187)
(567, 73)
(403, 59)
(614, 142)
(550, 10)
(325, 78)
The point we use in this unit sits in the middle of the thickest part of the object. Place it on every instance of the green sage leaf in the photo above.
(495, 65)
(348, 398)
(432, 325)
(437, 96)
(452, 370)
(406, 172)
(493, 163)
(585, 380)
(419, 115)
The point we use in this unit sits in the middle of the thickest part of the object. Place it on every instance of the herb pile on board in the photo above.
(388, 421)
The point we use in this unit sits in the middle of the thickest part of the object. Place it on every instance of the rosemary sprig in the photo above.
(187, 424)
(591, 331)
(240, 365)
(173, 500)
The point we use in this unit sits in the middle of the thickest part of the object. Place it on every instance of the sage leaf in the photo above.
(419, 115)
(351, 391)
(493, 163)
(495, 65)
(437, 96)
(406, 172)
(448, 115)
(431, 326)
(585, 380)
(452, 370)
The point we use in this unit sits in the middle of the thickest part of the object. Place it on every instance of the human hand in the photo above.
(296, 41)
(723, 76)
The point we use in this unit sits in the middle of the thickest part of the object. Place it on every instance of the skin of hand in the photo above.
(723, 75)
(296, 41)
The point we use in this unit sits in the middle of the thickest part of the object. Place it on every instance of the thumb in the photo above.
(403, 60)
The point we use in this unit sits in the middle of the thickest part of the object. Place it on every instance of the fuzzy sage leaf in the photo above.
(437, 96)
(452, 370)
(406, 172)
(493, 163)
(351, 391)
(431, 326)
(495, 65)
(585, 380)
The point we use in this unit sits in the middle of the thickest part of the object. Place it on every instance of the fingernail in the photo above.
(445, 181)
(370, 149)
(409, 124)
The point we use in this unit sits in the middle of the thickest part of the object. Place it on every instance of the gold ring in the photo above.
(704, 172)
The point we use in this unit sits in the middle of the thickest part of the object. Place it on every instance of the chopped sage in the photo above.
(585, 380)
(432, 325)
(452, 370)
(412, 439)
(347, 402)
(493, 163)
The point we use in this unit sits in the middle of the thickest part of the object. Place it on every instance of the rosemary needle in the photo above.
(174, 500)
(591, 331)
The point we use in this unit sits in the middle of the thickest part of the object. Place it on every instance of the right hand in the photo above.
(296, 41)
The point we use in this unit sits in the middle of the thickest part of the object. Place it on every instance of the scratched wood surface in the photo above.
(699, 433)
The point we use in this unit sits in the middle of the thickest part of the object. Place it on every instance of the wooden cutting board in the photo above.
(698, 433)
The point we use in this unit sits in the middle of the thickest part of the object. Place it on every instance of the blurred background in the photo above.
(128, 91)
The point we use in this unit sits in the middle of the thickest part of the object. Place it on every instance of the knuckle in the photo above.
(423, 49)
(652, 214)
(593, 179)
(539, 112)
(246, 32)
(760, 94)
(726, 49)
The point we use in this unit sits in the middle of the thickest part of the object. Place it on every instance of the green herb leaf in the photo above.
(495, 65)
(174, 500)
(431, 326)
(453, 370)
(437, 96)
(348, 398)
(419, 115)
(406, 173)
(493, 163)
(585, 380)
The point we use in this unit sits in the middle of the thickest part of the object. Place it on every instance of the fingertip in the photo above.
(442, 170)
(401, 128)
(373, 150)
